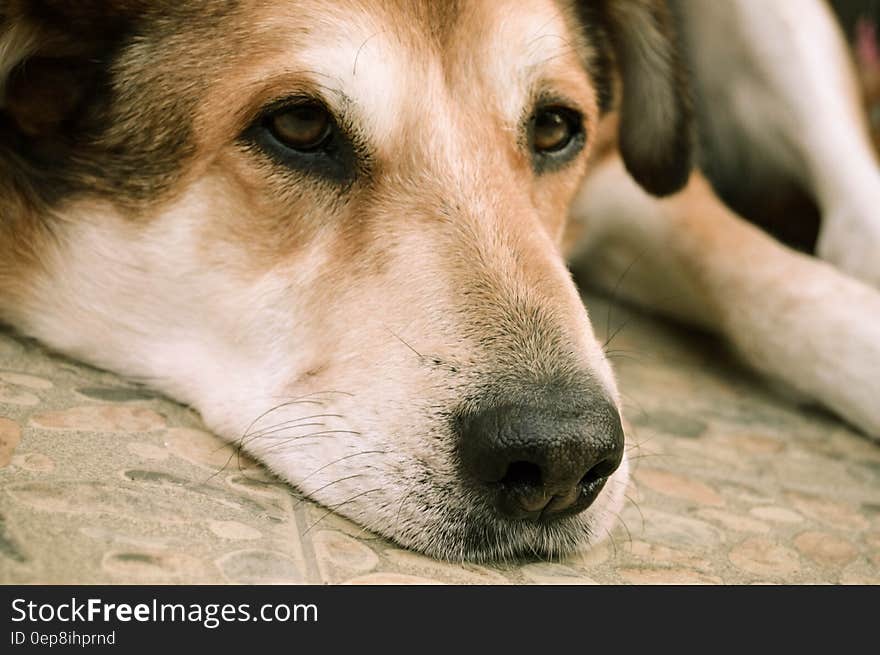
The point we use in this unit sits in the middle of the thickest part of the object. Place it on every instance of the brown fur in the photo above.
(89, 114)
(132, 191)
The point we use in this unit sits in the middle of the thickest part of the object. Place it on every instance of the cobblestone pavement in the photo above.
(102, 481)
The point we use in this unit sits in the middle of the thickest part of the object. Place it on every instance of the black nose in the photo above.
(539, 463)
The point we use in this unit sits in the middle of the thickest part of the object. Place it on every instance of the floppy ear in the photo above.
(656, 136)
(51, 54)
(17, 41)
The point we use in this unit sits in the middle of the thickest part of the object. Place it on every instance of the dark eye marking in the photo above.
(303, 135)
(555, 136)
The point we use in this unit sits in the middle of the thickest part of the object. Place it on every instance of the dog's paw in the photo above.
(817, 331)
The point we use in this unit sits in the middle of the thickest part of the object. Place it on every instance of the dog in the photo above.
(339, 230)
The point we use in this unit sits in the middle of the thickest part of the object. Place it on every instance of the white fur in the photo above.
(784, 69)
(529, 38)
(152, 302)
(367, 65)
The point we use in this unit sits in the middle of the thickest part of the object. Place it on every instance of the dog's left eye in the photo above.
(302, 127)
(552, 130)
(555, 135)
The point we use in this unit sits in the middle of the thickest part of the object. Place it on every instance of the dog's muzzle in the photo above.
(541, 462)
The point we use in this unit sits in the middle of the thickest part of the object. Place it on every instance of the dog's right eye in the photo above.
(301, 134)
(304, 127)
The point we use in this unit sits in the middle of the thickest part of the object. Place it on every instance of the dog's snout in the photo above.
(537, 463)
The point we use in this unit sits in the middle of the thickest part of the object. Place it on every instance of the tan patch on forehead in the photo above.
(523, 48)
(386, 61)
(370, 61)
(441, 95)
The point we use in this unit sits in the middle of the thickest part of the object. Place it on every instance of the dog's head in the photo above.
(334, 228)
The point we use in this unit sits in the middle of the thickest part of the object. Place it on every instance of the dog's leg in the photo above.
(791, 316)
(833, 130)
(777, 75)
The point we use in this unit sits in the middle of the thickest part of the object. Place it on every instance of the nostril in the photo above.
(522, 493)
(522, 474)
(600, 471)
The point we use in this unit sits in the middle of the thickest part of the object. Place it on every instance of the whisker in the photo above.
(308, 494)
(617, 331)
(358, 53)
(275, 408)
(288, 440)
(611, 539)
(563, 52)
(279, 426)
(639, 509)
(615, 355)
(641, 443)
(333, 508)
(544, 36)
(238, 445)
(404, 342)
(264, 434)
(625, 527)
(647, 455)
(404, 498)
(614, 292)
(630, 400)
(342, 459)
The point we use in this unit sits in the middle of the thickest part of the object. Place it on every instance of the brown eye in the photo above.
(303, 127)
(553, 128)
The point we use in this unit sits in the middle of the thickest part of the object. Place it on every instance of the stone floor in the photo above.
(103, 482)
